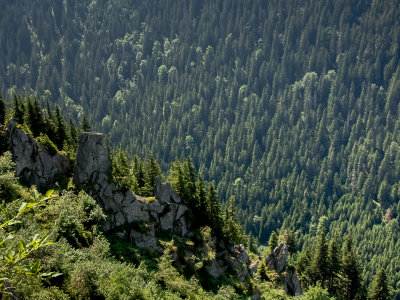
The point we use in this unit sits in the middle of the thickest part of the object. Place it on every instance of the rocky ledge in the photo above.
(34, 164)
(129, 216)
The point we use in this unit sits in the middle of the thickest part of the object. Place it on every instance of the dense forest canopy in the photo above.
(290, 106)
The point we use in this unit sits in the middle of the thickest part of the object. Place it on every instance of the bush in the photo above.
(44, 140)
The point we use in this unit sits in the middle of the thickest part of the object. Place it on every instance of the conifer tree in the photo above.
(319, 264)
(137, 170)
(334, 264)
(2, 110)
(201, 195)
(61, 128)
(349, 279)
(273, 241)
(85, 125)
(18, 108)
(379, 288)
(213, 208)
(151, 171)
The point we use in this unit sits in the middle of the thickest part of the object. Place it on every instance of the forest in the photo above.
(289, 106)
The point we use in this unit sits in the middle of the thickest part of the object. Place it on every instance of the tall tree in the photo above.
(379, 287)
(2, 110)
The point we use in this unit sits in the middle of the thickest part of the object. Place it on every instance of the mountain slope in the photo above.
(290, 106)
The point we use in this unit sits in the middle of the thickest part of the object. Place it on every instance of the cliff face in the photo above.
(34, 164)
(130, 216)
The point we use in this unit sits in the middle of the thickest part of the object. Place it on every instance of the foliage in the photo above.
(11, 257)
(316, 293)
(291, 107)
(44, 140)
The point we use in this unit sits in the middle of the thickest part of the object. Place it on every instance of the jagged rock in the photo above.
(253, 267)
(34, 164)
(241, 254)
(165, 193)
(292, 283)
(92, 159)
(277, 260)
(91, 172)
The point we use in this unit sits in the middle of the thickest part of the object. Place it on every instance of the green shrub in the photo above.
(44, 140)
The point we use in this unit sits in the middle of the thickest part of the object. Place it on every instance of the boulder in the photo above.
(292, 283)
(277, 260)
(34, 164)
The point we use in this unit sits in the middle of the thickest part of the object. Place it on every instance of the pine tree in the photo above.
(61, 128)
(151, 171)
(189, 194)
(85, 125)
(19, 110)
(273, 241)
(137, 170)
(379, 288)
(2, 110)
(214, 208)
(334, 264)
(349, 278)
(201, 195)
(319, 264)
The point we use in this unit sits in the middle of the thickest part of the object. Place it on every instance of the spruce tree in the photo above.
(319, 264)
(18, 108)
(2, 110)
(85, 125)
(334, 264)
(151, 171)
(379, 288)
(273, 241)
(350, 277)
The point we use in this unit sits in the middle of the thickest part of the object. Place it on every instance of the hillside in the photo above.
(291, 107)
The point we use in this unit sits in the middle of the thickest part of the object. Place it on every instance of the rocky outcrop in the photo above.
(292, 283)
(129, 215)
(34, 164)
(277, 260)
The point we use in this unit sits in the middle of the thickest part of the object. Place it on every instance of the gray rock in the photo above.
(214, 269)
(253, 267)
(292, 283)
(91, 172)
(165, 193)
(241, 254)
(92, 158)
(33, 163)
(277, 260)
(167, 221)
(136, 211)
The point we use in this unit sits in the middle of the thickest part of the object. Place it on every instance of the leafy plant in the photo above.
(11, 257)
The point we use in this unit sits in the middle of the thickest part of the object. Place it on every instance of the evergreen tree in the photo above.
(319, 265)
(85, 125)
(349, 278)
(214, 208)
(273, 241)
(19, 110)
(334, 264)
(151, 171)
(61, 128)
(137, 170)
(379, 288)
(2, 110)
